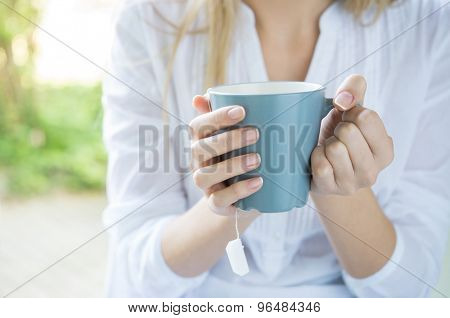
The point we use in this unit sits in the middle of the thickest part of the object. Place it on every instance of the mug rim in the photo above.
(309, 87)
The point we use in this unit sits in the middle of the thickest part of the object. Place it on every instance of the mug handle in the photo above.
(328, 106)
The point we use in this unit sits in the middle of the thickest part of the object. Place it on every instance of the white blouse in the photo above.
(288, 253)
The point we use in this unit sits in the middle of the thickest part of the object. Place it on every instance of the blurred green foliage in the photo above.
(16, 63)
(63, 149)
(49, 135)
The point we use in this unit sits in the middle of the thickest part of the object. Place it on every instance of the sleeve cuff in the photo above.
(182, 283)
(358, 285)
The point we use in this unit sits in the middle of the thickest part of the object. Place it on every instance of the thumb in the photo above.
(350, 93)
(201, 103)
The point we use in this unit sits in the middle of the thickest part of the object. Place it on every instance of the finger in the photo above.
(216, 145)
(359, 151)
(322, 171)
(374, 132)
(339, 158)
(207, 176)
(351, 92)
(208, 123)
(201, 103)
(328, 124)
(214, 188)
(239, 190)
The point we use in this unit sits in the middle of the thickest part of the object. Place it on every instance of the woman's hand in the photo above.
(209, 174)
(353, 144)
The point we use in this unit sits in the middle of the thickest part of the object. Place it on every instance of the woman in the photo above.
(376, 223)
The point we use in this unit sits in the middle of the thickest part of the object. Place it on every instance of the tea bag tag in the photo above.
(236, 255)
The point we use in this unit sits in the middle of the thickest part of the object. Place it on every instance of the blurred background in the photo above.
(52, 161)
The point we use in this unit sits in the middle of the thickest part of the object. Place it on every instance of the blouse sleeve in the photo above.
(144, 188)
(420, 206)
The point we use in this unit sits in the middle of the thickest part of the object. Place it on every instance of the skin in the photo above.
(353, 148)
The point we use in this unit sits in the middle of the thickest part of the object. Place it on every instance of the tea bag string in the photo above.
(236, 223)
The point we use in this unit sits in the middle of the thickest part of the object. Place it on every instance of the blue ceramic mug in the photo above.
(288, 117)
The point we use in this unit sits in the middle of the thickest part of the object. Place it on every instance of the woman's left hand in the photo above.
(353, 144)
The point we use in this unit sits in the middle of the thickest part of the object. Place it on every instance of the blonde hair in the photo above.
(221, 15)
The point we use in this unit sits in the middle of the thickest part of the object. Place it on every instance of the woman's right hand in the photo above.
(209, 174)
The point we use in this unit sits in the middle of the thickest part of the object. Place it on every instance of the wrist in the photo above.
(328, 195)
(327, 202)
(245, 218)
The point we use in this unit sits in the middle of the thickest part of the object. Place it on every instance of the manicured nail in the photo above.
(236, 112)
(194, 99)
(344, 100)
(255, 183)
(252, 160)
(251, 135)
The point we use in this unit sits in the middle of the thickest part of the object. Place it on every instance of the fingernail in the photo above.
(251, 135)
(255, 183)
(344, 100)
(252, 160)
(236, 112)
(194, 98)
